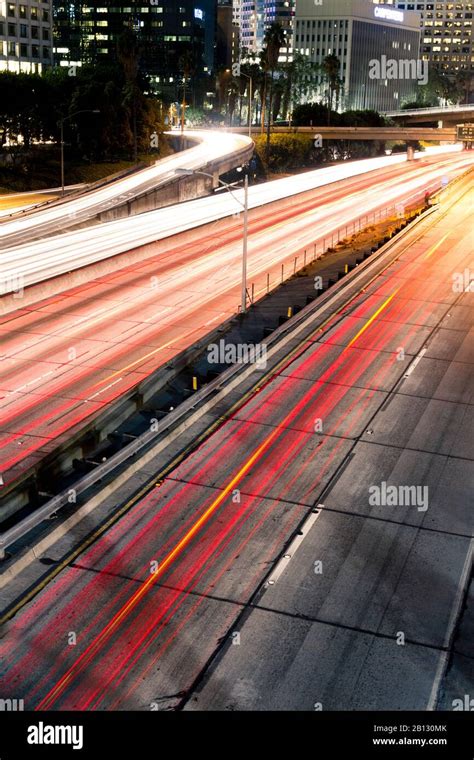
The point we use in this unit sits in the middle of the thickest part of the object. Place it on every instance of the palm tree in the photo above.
(232, 95)
(273, 41)
(242, 88)
(331, 66)
(128, 53)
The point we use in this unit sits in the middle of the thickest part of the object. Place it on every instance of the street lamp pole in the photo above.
(245, 206)
(183, 110)
(61, 125)
(62, 156)
(244, 246)
(250, 105)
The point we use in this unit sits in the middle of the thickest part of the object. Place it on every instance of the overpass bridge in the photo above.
(406, 134)
(135, 192)
(461, 114)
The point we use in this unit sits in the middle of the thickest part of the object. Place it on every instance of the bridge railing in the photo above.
(430, 109)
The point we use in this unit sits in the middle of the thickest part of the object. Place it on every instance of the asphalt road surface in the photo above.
(360, 613)
(52, 219)
(66, 358)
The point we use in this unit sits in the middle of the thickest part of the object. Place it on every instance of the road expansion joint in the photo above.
(390, 520)
(344, 626)
(255, 605)
(416, 449)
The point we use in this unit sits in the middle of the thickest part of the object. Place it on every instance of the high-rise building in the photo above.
(255, 18)
(446, 33)
(228, 35)
(252, 28)
(236, 4)
(25, 35)
(166, 31)
(377, 48)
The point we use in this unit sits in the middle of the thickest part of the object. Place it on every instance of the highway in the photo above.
(194, 566)
(13, 202)
(53, 218)
(42, 260)
(67, 357)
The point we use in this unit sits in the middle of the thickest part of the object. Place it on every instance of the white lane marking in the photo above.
(32, 382)
(450, 628)
(210, 321)
(415, 362)
(89, 398)
(294, 546)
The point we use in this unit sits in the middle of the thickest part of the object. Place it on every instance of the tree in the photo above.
(33, 105)
(109, 133)
(311, 114)
(273, 41)
(463, 85)
(262, 87)
(251, 68)
(232, 96)
(298, 82)
(128, 54)
(187, 65)
(331, 66)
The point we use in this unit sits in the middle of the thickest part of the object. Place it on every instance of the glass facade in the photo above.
(379, 58)
(166, 30)
(374, 42)
(255, 16)
(446, 33)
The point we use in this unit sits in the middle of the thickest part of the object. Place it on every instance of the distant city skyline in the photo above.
(213, 34)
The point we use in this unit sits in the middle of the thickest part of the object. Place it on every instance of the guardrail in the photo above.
(222, 383)
(380, 134)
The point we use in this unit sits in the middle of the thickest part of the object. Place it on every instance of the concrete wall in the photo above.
(180, 188)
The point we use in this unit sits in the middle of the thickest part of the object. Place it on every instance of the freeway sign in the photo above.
(466, 132)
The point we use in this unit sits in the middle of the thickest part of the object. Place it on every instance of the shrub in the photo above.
(287, 151)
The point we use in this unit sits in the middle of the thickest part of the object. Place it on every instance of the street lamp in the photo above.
(61, 124)
(245, 206)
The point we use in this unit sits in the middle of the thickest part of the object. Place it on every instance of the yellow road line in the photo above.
(136, 597)
(374, 316)
(436, 246)
(174, 463)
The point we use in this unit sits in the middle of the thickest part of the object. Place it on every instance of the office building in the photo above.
(25, 36)
(378, 50)
(166, 31)
(446, 34)
(255, 18)
(228, 35)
